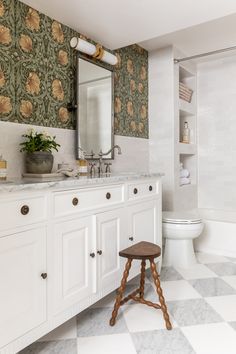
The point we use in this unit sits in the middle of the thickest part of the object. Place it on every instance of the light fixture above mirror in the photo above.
(96, 51)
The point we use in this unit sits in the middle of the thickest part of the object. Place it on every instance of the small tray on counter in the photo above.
(42, 175)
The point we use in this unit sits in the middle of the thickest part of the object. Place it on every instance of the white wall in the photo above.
(217, 134)
(134, 150)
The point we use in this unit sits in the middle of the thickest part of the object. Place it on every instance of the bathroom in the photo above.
(172, 104)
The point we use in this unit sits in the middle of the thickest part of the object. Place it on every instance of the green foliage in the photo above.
(41, 141)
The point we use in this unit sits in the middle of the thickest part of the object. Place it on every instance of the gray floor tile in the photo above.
(233, 324)
(221, 269)
(212, 287)
(170, 273)
(68, 346)
(162, 342)
(95, 322)
(192, 312)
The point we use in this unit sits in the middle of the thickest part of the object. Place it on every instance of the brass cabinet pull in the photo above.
(131, 238)
(44, 275)
(75, 201)
(135, 190)
(150, 188)
(108, 195)
(92, 255)
(99, 252)
(24, 210)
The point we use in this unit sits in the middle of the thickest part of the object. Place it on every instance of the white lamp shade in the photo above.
(109, 58)
(83, 46)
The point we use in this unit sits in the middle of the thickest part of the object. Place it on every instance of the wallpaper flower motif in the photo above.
(131, 92)
(38, 71)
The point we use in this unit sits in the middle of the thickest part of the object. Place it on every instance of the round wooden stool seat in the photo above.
(141, 250)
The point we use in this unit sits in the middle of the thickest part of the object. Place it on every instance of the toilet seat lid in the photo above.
(178, 217)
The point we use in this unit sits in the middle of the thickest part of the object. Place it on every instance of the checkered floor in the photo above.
(201, 302)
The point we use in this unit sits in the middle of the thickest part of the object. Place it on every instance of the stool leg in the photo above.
(142, 279)
(160, 294)
(120, 292)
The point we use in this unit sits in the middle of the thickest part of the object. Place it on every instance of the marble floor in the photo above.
(201, 302)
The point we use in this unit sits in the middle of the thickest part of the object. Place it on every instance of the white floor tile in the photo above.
(210, 258)
(217, 338)
(65, 331)
(141, 317)
(225, 306)
(109, 344)
(231, 280)
(197, 271)
(178, 290)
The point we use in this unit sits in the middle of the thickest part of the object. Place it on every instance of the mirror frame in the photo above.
(80, 56)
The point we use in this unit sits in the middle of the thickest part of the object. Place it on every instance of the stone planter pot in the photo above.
(38, 162)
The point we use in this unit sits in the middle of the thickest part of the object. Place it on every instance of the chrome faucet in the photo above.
(101, 154)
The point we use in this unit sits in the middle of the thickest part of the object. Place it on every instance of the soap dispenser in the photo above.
(83, 163)
(186, 134)
(3, 168)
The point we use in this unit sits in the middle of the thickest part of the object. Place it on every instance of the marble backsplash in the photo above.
(134, 158)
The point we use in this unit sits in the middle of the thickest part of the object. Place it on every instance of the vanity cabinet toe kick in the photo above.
(59, 252)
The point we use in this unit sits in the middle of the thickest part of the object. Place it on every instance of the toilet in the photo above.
(179, 231)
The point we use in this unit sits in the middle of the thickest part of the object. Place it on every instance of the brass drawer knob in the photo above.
(24, 210)
(131, 238)
(135, 191)
(99, 252)
(108, 195)
(92, 255)
(44, 275)
(150, 188)
(75, 201)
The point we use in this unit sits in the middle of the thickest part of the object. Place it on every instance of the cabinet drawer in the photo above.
(22, 211)
(66, 203)
(143, 189)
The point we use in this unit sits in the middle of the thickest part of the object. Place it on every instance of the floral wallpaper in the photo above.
(38, 67)
(131, 92)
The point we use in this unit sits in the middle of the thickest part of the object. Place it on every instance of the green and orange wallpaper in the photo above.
(38, 71)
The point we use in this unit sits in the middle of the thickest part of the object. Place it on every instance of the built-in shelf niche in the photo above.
(189, 163)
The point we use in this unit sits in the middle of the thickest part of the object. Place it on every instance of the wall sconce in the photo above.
(96, 51)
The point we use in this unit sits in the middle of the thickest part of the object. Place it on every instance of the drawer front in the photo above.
(142, 189)
(22, 211)
(66, 203)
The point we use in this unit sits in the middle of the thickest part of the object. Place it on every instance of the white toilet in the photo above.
(179, 230)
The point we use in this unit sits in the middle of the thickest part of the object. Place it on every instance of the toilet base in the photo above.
(179, 253)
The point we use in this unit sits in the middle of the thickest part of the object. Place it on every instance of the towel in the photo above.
(184, 180)
(184, 173)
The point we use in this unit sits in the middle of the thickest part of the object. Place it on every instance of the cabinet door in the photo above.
(70, 250)
(142, 219)
(110, 240)
(22, 289)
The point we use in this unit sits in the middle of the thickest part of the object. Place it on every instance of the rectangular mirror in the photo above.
(95, 109)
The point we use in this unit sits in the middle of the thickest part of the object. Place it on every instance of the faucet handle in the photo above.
(108, 168)
(92, 168)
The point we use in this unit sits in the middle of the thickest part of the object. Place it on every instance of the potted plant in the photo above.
(38, 147)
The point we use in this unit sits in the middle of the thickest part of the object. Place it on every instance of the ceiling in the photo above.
(120, 23)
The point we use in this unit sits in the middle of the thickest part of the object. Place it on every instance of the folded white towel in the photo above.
(184, 180)
(184, 173)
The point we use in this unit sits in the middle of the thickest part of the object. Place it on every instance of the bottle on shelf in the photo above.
(83, 163)
(186, 134)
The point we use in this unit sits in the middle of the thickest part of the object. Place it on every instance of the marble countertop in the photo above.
(16, 185)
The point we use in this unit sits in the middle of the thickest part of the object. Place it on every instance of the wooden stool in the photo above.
(142, 250)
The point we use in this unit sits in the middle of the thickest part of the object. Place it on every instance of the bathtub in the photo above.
(219, 234)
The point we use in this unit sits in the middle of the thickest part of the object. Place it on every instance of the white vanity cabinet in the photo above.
(58, 261)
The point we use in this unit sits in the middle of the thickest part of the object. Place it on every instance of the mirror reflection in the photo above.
(95, 113)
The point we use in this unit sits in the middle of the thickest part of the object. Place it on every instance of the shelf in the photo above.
(186, 107)
(187, 187)
(187, 149)
(185, 71)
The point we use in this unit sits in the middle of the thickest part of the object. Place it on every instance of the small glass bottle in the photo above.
(186, 134)
(3, 168)
(83, 164)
